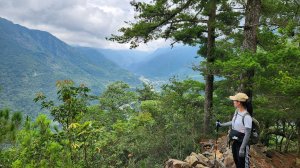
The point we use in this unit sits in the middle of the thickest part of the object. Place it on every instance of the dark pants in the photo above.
(240, 162)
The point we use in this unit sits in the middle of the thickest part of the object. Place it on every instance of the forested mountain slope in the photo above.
(33, 60)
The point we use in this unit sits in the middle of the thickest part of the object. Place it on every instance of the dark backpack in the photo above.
(255, 131)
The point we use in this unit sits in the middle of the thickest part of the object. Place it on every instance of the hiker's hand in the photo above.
(218, 124)
(242, 152)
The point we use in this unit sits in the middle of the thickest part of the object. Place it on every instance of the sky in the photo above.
(76, 22)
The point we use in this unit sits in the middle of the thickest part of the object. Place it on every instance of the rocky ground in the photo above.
(219, 156)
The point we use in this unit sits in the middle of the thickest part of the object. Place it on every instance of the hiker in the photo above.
(241, 128)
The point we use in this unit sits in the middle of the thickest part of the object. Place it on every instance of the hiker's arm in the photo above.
(226, 124)
(245, 142)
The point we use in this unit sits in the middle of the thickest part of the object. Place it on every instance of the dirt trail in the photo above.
(219, 155)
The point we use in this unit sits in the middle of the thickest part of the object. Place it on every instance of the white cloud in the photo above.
(77, 22)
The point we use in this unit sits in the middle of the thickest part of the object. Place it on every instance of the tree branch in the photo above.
(171, 16)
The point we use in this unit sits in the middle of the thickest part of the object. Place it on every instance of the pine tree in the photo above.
(190, 22)
(10, 122)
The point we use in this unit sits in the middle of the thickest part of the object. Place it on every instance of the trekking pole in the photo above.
(217, 130)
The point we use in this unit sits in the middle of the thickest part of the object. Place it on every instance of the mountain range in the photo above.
(161, 64)
(33, 60)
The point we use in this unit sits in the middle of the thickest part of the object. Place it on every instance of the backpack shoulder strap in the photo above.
(244, 118)
(235, 115)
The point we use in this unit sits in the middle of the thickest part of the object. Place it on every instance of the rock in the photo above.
(261, 157)
(217, 164)
(200, 166)
(207, 154)
(173, 163)
(263, 149)
(207, 146)
(211, 157)
(269, 154)
(195, 159)
(297, 162)
(203, 160)
(219, 154)
(192, 160)
(228, 159)
(229, 162)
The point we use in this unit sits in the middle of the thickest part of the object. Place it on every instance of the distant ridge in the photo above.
(163, 63)
(166, 62)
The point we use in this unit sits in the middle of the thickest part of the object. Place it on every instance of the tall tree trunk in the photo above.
(252, 14)
(209, 77)
(298, 135)
(298, 151)
(288, 138)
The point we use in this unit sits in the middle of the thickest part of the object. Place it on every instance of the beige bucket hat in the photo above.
(242, 97)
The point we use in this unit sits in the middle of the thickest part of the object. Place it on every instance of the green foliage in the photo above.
(38, 148)
(74, 102)
(234, 66)
(10, 122)
(275, 82)
(117, 133)
(174, 124)
(83, 140)
(146, 93)
(138, 138)
(118, 100)
(158, 130)
(279, 81)
(180, 21)
(153, 107)
(183, 96)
